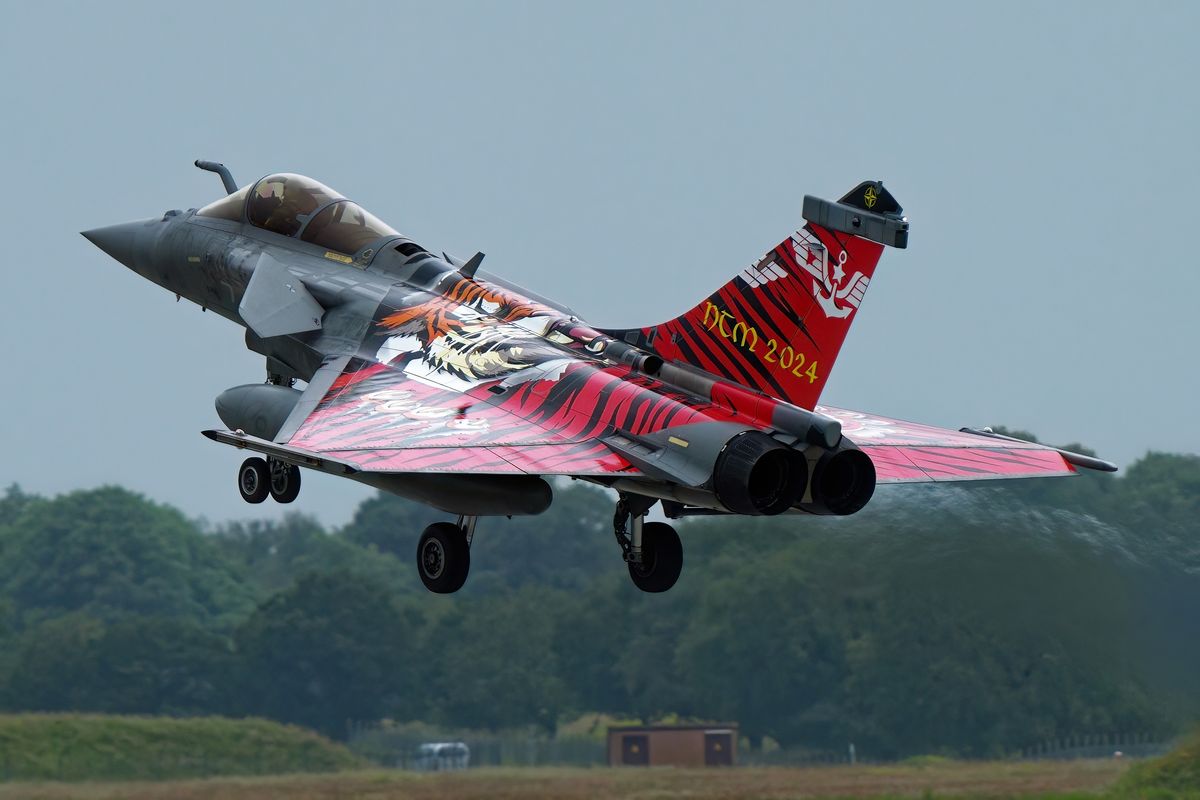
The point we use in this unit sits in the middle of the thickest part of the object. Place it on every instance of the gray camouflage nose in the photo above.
(117, 240)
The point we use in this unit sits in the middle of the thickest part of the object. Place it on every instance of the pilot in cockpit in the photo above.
(290, 203)
(285, 203)
(265, 205)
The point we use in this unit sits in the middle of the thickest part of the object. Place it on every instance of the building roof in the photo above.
(712, 726)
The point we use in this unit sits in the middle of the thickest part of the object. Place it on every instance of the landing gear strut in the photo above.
(258, 478)
(652, 550)
(444, 555)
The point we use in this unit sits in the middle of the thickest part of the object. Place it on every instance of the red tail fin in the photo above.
(778, 326)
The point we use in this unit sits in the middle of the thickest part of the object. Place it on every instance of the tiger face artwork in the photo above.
(471, 333)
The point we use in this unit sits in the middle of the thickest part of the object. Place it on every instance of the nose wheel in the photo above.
(444, 555)
(652, 550)
(259, 478)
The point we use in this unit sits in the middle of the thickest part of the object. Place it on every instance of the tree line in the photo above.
(966, 620)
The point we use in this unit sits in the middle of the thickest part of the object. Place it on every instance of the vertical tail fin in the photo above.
(779, 324)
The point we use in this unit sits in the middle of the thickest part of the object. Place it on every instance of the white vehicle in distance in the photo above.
(442, 756)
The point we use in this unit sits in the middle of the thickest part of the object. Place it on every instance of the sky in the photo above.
(625, 159)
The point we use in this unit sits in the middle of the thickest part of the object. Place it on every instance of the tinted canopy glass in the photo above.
(228, 207)
(283, 203)
(345, 227)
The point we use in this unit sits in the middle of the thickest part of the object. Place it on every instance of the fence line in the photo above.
(396, 747)
(1097, 745)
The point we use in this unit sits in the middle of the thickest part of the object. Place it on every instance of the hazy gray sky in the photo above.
(626, 159)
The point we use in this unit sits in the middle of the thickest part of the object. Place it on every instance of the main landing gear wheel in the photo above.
(652, 550)
(285, 481)
(662, 558)
(443, 557)
(254, 480)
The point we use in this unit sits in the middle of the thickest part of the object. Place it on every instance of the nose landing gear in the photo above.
(652, 550)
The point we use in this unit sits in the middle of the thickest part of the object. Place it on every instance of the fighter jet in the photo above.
(432, 379)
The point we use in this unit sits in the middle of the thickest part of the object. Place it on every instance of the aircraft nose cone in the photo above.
(116, 240)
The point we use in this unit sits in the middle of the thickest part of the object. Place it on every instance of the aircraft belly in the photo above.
(478, 495)
(588, 459)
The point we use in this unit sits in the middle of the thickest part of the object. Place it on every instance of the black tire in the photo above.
(254, 480)
(443, 558)
(285, 482)
(662, 558)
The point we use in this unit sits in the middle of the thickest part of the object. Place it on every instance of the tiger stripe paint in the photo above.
(778, 326)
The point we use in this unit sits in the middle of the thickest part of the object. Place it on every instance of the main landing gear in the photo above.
(444, 555)
(652, 550)
(258, 478)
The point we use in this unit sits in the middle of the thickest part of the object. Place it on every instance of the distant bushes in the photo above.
(98, 747)
(1175, 775)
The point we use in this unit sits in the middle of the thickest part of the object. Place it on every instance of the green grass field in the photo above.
(954, 779)
(72, 747)
(54, 757)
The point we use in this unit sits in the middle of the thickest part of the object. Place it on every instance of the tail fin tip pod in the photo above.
(778, 325)
(868, 210)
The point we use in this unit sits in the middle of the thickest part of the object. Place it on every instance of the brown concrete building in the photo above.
(673, 745)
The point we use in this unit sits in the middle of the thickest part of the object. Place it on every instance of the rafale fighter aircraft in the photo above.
(441, 383)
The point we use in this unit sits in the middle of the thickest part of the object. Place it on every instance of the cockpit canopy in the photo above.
(283, 203)
(299, 207)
